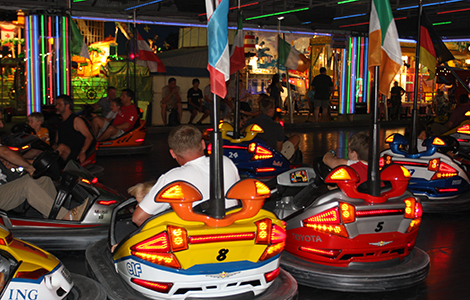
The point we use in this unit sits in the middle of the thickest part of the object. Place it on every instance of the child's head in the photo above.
(116, 104)
(35, 120)
(358, 145)
(140, 190)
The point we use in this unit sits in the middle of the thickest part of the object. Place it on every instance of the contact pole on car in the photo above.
(385, 61)
(219, 69)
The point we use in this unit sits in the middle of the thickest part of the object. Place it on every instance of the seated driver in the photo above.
(123, 122)
(358, 155)
(273, 132)
(187, 148)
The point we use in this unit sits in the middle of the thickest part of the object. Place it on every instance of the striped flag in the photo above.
(237, 57)
(79, 47)
(384, 48)
(217, 35)
(432, 48)
(147, 58)
(292, 58)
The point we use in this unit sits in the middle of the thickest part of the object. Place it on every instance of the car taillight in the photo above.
(155, 250)
(322, 252)
(107, 203)
(36, 274)
(7, 240)
(433, 164)
(272, 235)
(25, 147)
(444, 171)
(217, 238)
(161, 287)
(272, 275)
(263, 234)
(387, 159)
(264, 170)
(347, 212)
(85, 181)
(464, 129)
(413, 210)
(14, 148)
(259, 152)
(139, 140)
(327, 222)
(178, 238)
(209, 149)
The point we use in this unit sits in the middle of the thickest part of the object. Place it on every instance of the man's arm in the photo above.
(332, 161)
(80, 126)
(15, 159)
(139, 216)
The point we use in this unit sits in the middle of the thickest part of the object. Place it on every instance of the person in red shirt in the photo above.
(123, 122)
(358, 154)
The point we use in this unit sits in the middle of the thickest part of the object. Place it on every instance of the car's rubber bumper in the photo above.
(100, 266)
(59, 239)
(450, 205)
(86, 289)
(412, 270)
(131, 150)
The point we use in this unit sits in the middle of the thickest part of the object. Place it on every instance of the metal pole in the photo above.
(236, 129)
(373, 176)
(414, 114)
(217, 197)
(136, 53)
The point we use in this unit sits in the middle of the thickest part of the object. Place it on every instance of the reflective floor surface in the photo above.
(443, 236)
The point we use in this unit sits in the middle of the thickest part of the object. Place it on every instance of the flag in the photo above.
(432, 48)
(147, 58)
(217, 35)
(237, 57)
(384, 48)
(9, 32)
(79, 46)
(124, 29)
(292, 58)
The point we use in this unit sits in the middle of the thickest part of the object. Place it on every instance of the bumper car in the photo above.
(23, 140)
(27, 272)
(186, 254)
(439, 180)
(74, 185)
(462, 134)
(346, 239)
(133, 142)
(253, 156)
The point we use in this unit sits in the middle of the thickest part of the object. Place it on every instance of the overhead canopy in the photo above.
(188, 62)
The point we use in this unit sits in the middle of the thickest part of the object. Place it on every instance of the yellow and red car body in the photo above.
(182, 254)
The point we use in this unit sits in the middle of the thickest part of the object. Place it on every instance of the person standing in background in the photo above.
(396, 92)
(323, 87)
(275, 90)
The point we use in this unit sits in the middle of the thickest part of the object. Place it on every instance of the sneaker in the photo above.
(77, 212)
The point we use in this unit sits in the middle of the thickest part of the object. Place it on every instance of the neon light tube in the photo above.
(141, 5)
(346, 1)
(28, 64)
(441, 23)
(429, 4)
(452, 11)
(350, 16)
(49, 60)
(57, 55)
(64, 59)
(278, 13)
(343, 81)
(36, 62)
(43, 63)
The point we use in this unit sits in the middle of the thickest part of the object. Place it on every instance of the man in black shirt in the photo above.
(195, 98)
(323, 87)
(273, 132)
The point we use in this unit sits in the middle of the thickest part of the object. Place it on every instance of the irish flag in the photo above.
(292, 58)
(384, 48)
(237, 57)
(432, 48)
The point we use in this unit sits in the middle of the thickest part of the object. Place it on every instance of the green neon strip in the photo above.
(358, 68)
(43, 63)
(441, 23)
(347, 1)
(348, 91)
(277, 14)
(64, 56)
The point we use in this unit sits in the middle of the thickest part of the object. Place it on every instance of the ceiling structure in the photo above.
(451, 17)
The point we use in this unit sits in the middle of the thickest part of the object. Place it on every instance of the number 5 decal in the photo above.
(379, 227)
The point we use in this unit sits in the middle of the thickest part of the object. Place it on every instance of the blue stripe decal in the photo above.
(204, 269)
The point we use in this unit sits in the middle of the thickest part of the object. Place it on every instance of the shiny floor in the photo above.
(443, 236)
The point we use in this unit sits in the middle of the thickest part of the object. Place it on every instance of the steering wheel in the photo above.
(22, 128)
(321, 169)
(44, 162)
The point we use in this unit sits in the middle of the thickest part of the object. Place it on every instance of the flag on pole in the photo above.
(237, 57)
(217, 32)
(79, 46)
(124, 29)
(384, 48)
(432, 48)
(292, 58)
(147, 58)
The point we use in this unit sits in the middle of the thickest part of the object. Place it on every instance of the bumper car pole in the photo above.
(373, 179)
(217, 200)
